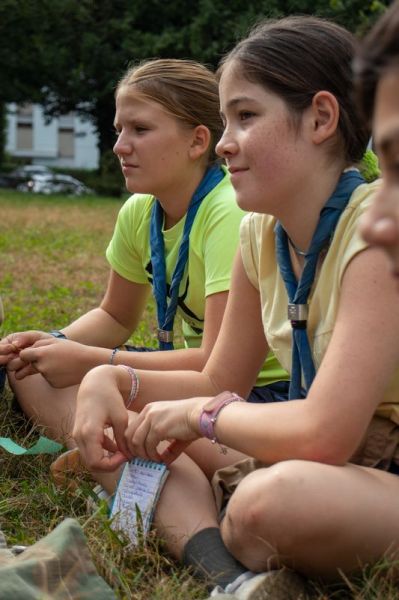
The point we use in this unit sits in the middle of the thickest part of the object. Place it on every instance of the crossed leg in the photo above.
(54, 408)
(313, 517)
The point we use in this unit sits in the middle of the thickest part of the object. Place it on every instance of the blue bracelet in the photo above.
(58, 334)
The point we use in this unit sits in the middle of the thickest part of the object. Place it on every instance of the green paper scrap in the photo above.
(42, 446)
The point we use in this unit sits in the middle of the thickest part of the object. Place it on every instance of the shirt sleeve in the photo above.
(220, 245)
(249, 249)
(123, 252)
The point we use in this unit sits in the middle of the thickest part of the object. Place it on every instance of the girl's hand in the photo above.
(61, 362)
(99, 406)
(176, 421)
(12, 344)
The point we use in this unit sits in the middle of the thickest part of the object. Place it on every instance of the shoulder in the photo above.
(135, 212)
(137, 203)
(361, 199)
(257, 244)
(256, 228)
(347, 241)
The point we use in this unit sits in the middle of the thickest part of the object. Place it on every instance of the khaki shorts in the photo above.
(379, 449)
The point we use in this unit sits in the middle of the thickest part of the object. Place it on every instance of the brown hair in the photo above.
(296, 57)
(186, 89)
(378, 53)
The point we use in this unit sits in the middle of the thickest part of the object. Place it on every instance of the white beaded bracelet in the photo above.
(134, 390)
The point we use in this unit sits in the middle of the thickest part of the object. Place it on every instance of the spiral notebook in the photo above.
(136, 496)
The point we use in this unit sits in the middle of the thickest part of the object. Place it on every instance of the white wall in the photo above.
(45, 140)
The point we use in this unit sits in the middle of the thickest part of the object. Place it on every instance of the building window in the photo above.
(24, 136)
(25, 127)
(66, 142)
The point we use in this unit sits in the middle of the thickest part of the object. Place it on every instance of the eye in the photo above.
(244, 115)
(140, 129)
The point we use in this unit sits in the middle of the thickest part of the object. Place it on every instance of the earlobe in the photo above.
(200, 142)
(325, 114)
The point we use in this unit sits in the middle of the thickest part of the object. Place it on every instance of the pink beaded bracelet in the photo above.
(134, 390)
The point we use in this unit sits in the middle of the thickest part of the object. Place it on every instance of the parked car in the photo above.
(22, 174)
(54, 184)
(27, 171)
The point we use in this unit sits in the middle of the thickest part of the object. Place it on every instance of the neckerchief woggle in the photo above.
(298, 291)
(166, 311)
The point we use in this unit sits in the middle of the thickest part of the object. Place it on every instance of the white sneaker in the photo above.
(282, 584)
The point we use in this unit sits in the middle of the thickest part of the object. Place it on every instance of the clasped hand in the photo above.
(60, 362)
(107, 434)
(12, 344)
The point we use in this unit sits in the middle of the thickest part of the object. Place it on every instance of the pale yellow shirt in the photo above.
(258, 254)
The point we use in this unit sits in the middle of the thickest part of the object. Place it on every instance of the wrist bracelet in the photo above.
(58, 334)
(134, 390)
(111, 358)
(210, 413)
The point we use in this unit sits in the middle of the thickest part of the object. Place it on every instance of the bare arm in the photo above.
(326, 427)
(235, 360)
(233, 364)
(65, 363)
(112, 323)
(187, 358)
(357, 367)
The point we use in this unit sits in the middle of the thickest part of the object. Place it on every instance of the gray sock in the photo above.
(209, 558)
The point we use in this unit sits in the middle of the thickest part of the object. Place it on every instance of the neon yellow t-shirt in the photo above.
(213, 242)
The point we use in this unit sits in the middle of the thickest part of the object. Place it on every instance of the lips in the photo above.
(234, 170)
(127, 168)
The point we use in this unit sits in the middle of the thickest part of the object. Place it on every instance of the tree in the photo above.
(69, 54)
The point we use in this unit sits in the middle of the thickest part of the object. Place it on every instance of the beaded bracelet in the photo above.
(111, 358)
(134, 390)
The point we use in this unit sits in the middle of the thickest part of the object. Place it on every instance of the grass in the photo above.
(53, 269)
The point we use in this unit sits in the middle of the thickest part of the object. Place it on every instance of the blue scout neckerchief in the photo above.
(166, 311)
(298, 291)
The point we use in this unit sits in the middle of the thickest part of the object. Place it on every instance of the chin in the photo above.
(245, 203)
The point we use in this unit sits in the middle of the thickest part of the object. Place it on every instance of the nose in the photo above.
(379, 226)
(226, 146)
(122, 145)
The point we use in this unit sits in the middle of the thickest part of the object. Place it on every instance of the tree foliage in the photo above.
(69, 54)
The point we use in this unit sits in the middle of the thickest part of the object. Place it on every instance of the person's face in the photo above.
(380, 225)
(261, 148)
(152, 146)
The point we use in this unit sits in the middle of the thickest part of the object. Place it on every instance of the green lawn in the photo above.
(52, 269)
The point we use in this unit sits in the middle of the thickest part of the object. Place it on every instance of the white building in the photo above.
(67, 141)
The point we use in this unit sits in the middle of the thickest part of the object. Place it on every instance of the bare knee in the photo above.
(264, 512)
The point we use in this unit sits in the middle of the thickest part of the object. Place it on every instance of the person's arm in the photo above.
(213, 246)
(355, 372)
(329, 424)
(64, 362)
(234, 363)
(115, 319)
(185, 358)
